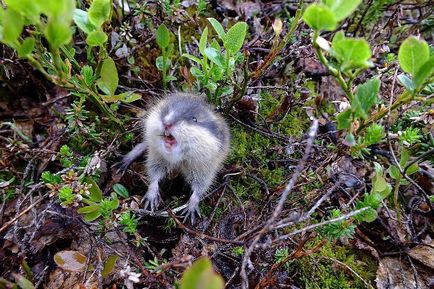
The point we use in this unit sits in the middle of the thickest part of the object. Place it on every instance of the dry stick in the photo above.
(5, 226)
(331, 221)
(311, 136)
(199, 234)
(290, 221)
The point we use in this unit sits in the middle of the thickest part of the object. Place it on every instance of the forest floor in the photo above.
(298, 203)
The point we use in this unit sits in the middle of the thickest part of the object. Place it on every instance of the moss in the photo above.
(318, 271)
(261, 156)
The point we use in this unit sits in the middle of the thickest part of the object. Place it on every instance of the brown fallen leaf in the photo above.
(394, 273)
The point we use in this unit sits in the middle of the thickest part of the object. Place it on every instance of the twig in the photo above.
(311, 136)
(5, 226)
(290, 221)
(331, 221)
(200, 234)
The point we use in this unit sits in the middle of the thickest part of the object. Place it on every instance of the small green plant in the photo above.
(153, 264)
(163, 62)
(79, 123)
(238, 251)
(97, 205)
(201, 6)
(129, 222)
(52, 22)
(66, 196)
(346, 58)
(410, 136)
(216, 70)
(281, 255)
(380, 190)
(66, 156)
(338, 229)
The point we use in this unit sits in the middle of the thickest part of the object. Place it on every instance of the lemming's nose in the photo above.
(167, 125)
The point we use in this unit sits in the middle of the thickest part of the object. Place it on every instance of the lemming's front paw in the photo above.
(121, 166)
(152, 200)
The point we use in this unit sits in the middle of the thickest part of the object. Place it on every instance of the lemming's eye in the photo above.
(194, 119)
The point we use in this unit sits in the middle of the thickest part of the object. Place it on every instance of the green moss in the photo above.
(319, 271)
(261, 156)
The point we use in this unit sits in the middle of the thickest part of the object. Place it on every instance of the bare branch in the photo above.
(311, 137)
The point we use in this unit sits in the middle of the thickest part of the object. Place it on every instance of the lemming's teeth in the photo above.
(166, 133)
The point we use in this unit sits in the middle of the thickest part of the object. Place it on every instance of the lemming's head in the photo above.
(188, 110)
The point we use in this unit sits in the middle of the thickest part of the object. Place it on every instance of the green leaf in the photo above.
(22, 282)
(81, 19)
(366, 96)
(109, 265)
(58, 33)
(88, 209)
(394, 172)
(217, 27)
(201, 275)
(13, 28)
(344, 119)
(27, 8)
(159, 63)
(163, 36)
(63, 10)
(215, 56)
(49, 178)
(95, 192)
(342, 8)
(407, 82)
(121, 190)
(92, 216)
(196, 72)
(414, 168)
(413, 53)
(87, 73)
(130, 96)
(96, 38)
(215, 45)
(99, 12)
(26, 47)
(203, 40)
(234, 39)
(424, 72)
(350, 139)
(369, 215)
(320, 17)
(379, 184)
(405, 156)
(352, 53)
(126, 97)
(109, 77)
(193, 58)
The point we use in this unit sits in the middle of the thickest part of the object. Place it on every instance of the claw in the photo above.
(121, 167)
(152, 200)
(190, 212)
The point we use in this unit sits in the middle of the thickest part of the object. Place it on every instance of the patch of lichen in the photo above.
(319, 271)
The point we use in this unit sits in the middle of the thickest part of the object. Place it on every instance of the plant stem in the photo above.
(405, 98)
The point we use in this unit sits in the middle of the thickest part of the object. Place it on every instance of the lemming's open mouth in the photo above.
(169, 139)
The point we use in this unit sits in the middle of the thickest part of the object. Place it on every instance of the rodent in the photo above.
(183, 134)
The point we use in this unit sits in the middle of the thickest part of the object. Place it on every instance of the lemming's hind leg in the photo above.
(200, 184)
(156, 172)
